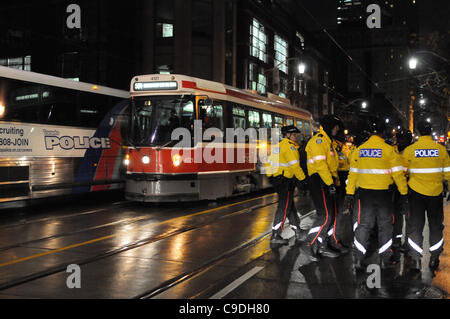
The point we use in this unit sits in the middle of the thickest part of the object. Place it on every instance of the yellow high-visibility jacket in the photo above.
(428, 165)
(322, 157)
(285, 160)
(376, 165)
(343, 151)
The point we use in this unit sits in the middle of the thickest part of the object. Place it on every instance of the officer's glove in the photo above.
(348, 204)
(337, 182)
(404, 204)
(332, 189)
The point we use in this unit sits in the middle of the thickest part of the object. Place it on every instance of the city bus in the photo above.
(58, 136)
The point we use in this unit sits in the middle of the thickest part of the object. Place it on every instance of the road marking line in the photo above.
(15, 261)
(225, 291)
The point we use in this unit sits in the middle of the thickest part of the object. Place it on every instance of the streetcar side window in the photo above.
(254, 119)
(278, 121)
(307, 129)
(239, 117)
(300, 127)
(212, 116)
(289, 121)
(267, 121)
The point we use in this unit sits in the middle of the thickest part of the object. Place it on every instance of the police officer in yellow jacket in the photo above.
(373, 169)
(428, 167)
(343, 152)
(322, 162)
(284, 172)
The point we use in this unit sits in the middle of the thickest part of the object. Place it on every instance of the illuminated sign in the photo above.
(156, 86)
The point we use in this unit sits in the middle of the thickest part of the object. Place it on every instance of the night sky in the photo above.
(434, 15)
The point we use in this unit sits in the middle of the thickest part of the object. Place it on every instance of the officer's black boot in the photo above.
(300, 235)
(416, 264)
(387, 263)
(276, 239)
(338, 247)
(434, 263)
(325, 251)
(314, 255)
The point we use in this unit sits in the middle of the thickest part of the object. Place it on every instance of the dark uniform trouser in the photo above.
(374, 207)
(398, 219)
(337, 230)
(286, 208)
(326, 210)
(415, 223)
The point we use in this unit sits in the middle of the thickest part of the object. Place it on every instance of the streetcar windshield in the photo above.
(155, 117)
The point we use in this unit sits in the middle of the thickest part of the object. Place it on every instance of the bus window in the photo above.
(278, 121)
(267, 120)
(239, 117)
(253, 119)
(289, 122)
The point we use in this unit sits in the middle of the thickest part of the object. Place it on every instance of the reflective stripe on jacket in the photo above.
(322, 157)
(376, 165)
(427, 164)
(285, 160)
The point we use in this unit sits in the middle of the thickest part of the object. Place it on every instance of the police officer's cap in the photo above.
(289, 129)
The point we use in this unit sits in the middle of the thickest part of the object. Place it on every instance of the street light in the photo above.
(422, 102)
(413, 63)
(302, 68)
(364, 105)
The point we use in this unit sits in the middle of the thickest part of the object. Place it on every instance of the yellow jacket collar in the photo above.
(425, 138)
(377, 138)
(322, 131)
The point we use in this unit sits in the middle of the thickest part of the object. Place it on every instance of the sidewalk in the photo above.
(442, 279)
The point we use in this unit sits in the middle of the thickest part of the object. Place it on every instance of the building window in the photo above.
(258, 40)
(165, 30)
(257, 79)
(21, 63)
(281, 54)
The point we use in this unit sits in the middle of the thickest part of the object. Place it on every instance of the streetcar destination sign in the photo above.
(156, 86)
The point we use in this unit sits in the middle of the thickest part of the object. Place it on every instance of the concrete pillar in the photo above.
(147, 29)
(183, 37)
(219, 41)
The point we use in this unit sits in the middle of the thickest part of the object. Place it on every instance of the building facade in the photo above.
(251, 44)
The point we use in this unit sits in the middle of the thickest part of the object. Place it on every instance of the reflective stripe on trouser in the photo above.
(324, 205)
(374, 208)
(415, 222)
(286, 207)
(398, 219)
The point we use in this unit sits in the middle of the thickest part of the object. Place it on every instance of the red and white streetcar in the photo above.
(182, 138)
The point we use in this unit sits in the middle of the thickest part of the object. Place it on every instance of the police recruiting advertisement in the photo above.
(44, 140)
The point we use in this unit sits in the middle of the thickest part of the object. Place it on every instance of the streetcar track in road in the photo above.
(129, 246)
(47, 219)
(123, 222)
(171, 283)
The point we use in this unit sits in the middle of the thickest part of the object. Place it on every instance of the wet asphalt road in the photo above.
(202, 250)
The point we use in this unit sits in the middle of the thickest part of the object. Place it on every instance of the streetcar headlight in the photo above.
(176, 159)
(126, 162)
(2, 110)
(146, 160)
